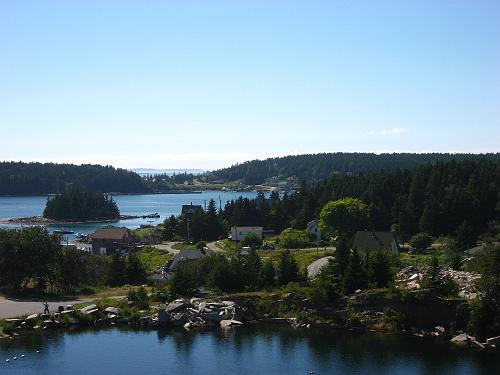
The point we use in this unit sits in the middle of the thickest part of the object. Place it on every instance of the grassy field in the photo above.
(153, 258)
(303, 257)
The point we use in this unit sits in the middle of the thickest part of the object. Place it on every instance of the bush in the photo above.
(421, 241)
(293, 239)
(251, 240)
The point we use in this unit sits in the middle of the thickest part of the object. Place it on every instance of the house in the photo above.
(238, 233)
(365, 241)
(189, 209)
(110, 240)
(313, 230)
(188, 255)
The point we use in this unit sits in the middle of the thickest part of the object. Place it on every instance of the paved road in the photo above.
(10, 308)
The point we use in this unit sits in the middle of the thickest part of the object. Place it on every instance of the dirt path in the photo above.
(11, 308)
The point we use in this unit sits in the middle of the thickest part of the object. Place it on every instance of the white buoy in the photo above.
(15, 358)
(22, 355)
(7, 360)
(38, 351)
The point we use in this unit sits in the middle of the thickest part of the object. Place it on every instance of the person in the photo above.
(46, 308)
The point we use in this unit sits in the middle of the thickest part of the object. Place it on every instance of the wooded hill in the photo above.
(18, 178)
(322, 166)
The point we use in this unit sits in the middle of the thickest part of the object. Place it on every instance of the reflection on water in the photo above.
(250, 349)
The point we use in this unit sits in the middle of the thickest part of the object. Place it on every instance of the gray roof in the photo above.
(110, 233)
(189, 255)
(370, 240)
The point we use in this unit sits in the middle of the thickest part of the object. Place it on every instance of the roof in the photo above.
(111, 233)
(247, 228)
(187, 254)
(370, 240)
(190, 208)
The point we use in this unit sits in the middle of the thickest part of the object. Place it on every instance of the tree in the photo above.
(288, 270)
(465, 236)
(115, 275)
(421, 241)
(342, 254)
(183, 281)
(135, 272)
(267, 274)
(323, 288)
(355, 277)
(452, 257)
(343, 216)
(170, 228)
(293, 239)
(252, 240)
(379, 268)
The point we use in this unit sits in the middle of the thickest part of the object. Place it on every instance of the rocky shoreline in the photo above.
(198, 313)
(40, 220)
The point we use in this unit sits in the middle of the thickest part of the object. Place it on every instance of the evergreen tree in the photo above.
(379, 268)
(288, 270)
(116, 271)
(135, 273)
(355, 277)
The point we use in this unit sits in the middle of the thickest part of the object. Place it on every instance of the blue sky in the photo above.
(185, 84)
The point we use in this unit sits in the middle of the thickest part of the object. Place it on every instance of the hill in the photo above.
(322, 166)
(18, 178)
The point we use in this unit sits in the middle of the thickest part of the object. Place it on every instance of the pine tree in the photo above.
(355, 277)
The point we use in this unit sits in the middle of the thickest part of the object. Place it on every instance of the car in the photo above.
(267, 247)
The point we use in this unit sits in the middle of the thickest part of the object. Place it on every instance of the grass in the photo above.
(303, 257)
(420, 259)
(184, 246)
(153, 258)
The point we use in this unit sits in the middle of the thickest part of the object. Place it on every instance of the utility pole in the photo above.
(188, 231)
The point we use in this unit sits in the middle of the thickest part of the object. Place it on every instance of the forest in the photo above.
(18, 178)
(81, 205)
(457, 198)
(322, 166)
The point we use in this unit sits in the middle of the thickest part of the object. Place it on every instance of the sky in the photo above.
(206, 84)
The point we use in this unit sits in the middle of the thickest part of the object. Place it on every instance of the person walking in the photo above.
(46, 307)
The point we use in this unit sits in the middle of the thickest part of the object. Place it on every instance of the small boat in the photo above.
(63, 231)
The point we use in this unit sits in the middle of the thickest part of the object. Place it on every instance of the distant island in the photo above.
(81, 206)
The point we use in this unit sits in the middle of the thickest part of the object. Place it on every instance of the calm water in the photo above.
(241, 351)
(164, 204)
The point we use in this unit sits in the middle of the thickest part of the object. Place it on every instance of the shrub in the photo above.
(293, 239)
(421, 241)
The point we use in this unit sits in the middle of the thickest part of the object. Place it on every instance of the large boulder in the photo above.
(175, 306)
(179, 319)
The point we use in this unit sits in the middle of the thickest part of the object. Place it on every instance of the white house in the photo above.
(238, 233)
(313, 230)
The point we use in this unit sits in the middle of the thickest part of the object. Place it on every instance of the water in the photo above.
(165, 204)
(243, 350)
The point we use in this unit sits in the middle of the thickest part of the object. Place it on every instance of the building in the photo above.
(189, 256)
(238, 233)
(189, 209)
(112, 240)
(365, 241)
(313, 229)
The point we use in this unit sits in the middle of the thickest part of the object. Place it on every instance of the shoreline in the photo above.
(40, 220)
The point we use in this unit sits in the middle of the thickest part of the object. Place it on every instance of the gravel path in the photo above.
(11, 308)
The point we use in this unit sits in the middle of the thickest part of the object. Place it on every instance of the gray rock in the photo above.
(163, 317)
(461, 339)
(175, 306)
(493, 340)
(113, 310)
(90, 309)
(179, 319)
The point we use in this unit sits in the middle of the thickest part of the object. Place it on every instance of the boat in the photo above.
(63, 231)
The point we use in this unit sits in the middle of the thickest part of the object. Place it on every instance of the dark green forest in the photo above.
(81, 205)
(457, 197)
(322, 166)
(18, 178)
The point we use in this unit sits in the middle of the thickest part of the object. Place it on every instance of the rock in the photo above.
(460, 339)
(440, 329)
(477, 344)
(229, 323)
(179, 319)
(31, 317)
(113, 310)
(163, 317)
(187, 326)
(175, 306)
(90, 309)
(286, 321)
(213, 317)
(201, 307)
(493, 340)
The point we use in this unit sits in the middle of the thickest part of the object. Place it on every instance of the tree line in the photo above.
(18, 178)
(31, 258)
(457, 197)
(322, 166)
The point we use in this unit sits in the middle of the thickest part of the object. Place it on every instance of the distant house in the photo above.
(189, 209)
(112, 240)
(188, 255)
(313, 230)
(238, 233)
(365, 241)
